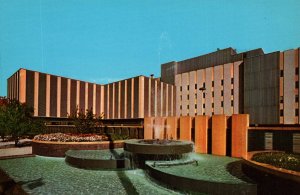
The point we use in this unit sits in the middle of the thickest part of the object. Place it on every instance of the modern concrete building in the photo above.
(266, 86)
(55, 96)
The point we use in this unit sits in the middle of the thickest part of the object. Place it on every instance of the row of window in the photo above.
(296, 112)
(203, 105)
(222, 83)
(296, 98)
(213, 94)
(296, 72)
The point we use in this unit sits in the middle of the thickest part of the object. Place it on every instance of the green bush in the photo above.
(279, 159)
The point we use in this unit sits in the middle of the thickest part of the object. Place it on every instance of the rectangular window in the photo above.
(212, 83)
(203, 95)
(281, 99)
(222, 93)
(195, 106)
(212, 105)
(203, 105)
(281, 112)
(297, 84)
(204, 85)
(297, 112)
(180, 107)
(296, 98)
(212, 94)
(222, 103)
(281, 73)
(222, 82)
(232, 80)
(188, 87)
(231, 102)
(188, 97)
(297, 71)
(232, 92)
(195, 86)
(180, 88)
(188, 106)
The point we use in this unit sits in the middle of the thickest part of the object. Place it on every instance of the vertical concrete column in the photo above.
(200, 99)
(239, 135)
(22, 86)
(201, 135)
(178, 93)
(191, 93)
(141, 96)
(171, 128)
(48, 95)
(159, 128)
(186, 128)
(219, 134)
(184, 94)
(36, 94)
(58, 96)
(236, 86)
(94, 99)
(77, 93)
(148, 127)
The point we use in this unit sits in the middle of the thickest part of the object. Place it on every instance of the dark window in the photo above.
(297, 112)
(203, 85)
(203, 113)
(296, 98)
(281, 73)
(281, 99)
(212, 105)
(232, 92)
(203, 95)
(297, 84)
(188, 97)
(232, 80)
(231, 102)
(222, 93)
(195, 86)
(203, 105)
(297, 71)
(180, 88)
(281, 112)
(222, 82)
(195, 106)
(180, 107)
(222, 104)
(188, 106)
(212, 94)
(212, 113)
(212, 83)
(188, 87)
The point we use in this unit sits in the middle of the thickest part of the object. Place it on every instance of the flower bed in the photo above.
(279, 159)
(64, 137)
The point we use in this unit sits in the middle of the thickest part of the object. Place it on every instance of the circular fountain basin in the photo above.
(97, 159)
(158, 147)
(139, 151)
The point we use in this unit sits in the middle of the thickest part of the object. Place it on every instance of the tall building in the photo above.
(56, 96)
(266, 86)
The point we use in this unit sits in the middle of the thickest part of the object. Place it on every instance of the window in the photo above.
(281, 73)
(212, 94)
(281, 112)
(188, 106)
(195, 86)
(181, 97)
(204, 85)
(180, 107)
(180, 88)
(212, 105)
(232, 80)
(203, 95)
(231, 102)
(222, 103)
(297, 112)
(212, 83)
(222, 82)
(212, 113)
(296, 98)
(188, 97)
(188, 87)
(203, 105)
(297, 84)
(297, 71)
(232, 92)
(222, 93)
(195, 106)
(281, 99)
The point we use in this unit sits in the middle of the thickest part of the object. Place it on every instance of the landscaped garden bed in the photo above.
(68, 137)
(279, 159)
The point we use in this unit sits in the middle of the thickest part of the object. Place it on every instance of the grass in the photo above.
(279, 159)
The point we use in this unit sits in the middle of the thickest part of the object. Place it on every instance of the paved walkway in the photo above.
(8, 149)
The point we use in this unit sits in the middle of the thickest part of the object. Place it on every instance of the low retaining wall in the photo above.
(58, 149)
(202, 186)
(271, 179)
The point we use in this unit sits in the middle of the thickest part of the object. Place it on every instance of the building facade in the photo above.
(265, 86)
(55, 96)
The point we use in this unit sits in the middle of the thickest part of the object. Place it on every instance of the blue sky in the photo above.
(104, 41)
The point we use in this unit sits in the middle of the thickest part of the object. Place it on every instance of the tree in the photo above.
(16, 119)
(85, 122)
